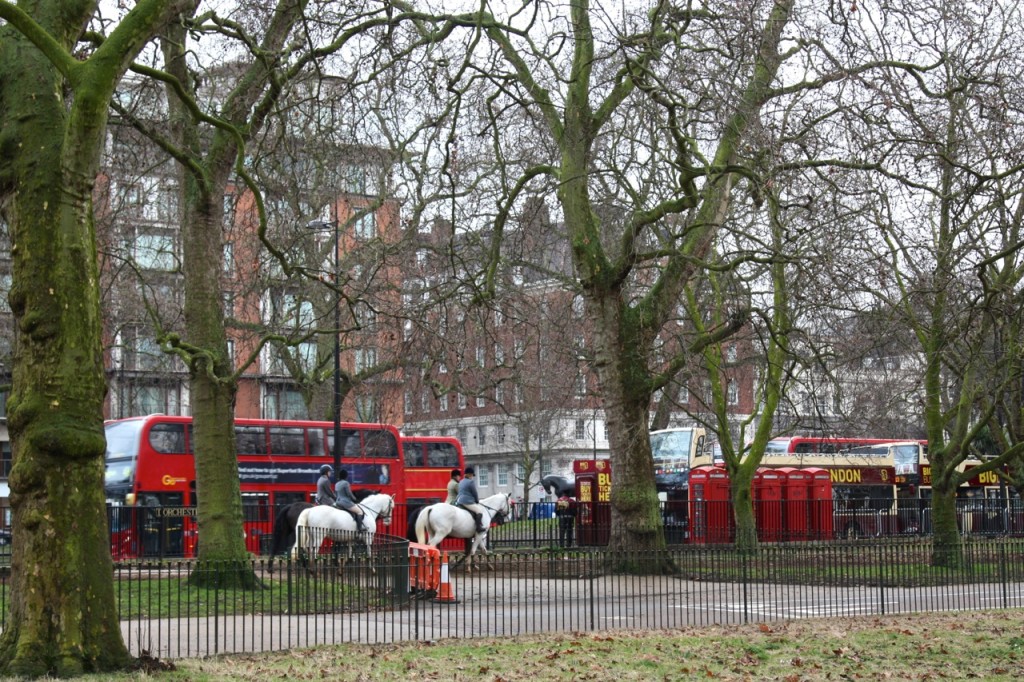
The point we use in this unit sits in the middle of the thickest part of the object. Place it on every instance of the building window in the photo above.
(365, 359)
(407, 330)
(481, 358)
(155, 251)
(517, 394)
(442, 402)
(407, 403)
(151, 397)
(366, 409)
(461, 401)
(282, 401)
(425, 401)
(461, 434)
(499, 394)
(683, 396)
(481, 435)
(365, 227)
(520, 472)
(483, 476)
(500, 433)
(481, 401)
(502, 474)
(5, 459)
(730, 353)
(578, 306)
(581, 385)
(499, 354)
(733, 391)
(229, 258)
(581, 429)
(365, 317)
(6, 280)
(499, 317)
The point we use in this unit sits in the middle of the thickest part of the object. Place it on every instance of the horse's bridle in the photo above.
(497, 511)
(386, 518)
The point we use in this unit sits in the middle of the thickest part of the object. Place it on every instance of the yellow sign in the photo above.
(169, 480)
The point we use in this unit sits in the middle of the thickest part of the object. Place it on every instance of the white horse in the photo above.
(324, 521)
(441, 520)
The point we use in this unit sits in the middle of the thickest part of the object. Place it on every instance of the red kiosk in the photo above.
(593, 494)
(795, 495)
(711, 519)
(768, 505)
(820, 503)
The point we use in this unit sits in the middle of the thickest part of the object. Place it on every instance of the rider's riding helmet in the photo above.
(343, 474)
(325, 469)
(456, 473)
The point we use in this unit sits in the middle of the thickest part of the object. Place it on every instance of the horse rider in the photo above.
(324, 490)
(344, 499)
(453, 487)
(469, 499)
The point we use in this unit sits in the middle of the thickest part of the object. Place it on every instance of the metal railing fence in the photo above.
(169, 532)
(333, 598)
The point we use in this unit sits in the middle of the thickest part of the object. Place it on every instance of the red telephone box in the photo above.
(768, 504)
(795, 494)
(820, 503)
(710, 508)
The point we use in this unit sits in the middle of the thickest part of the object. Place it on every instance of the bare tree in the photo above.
(53, 111)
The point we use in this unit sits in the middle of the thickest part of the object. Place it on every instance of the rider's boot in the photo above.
(479, 523)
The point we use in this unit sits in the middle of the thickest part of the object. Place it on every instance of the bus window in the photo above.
(316, 442)
(349, 442)
(413, 453)
(907, 458)
(249, 440)
(168, 439)
(442, 455)
(287, 440)
(380, 444)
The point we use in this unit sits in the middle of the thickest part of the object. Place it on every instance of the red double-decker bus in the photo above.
(428, 463)
(150, 475)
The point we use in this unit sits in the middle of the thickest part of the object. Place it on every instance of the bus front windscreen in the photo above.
(671, 451)
(122, 449)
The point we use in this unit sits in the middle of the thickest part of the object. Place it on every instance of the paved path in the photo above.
(496, 606)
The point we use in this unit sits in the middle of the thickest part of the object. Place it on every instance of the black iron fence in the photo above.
(170, 532)
(370, 596)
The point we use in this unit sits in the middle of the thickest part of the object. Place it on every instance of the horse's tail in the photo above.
(301, 529)
(283, 532)
(421, 526)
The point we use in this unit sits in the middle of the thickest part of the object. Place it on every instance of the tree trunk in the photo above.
(222, 554)
(946, 550)
(743, 508)
(63, 617)
(635, 511)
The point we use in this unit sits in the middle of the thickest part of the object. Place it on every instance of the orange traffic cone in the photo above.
(445, 594)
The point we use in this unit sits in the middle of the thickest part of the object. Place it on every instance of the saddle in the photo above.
(360, 520)
(477, 517)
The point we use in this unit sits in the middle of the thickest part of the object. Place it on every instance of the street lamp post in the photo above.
(336, 407)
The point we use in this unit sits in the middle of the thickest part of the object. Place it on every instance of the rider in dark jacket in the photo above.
(324, 492)
(344, 499)
(469, 498)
